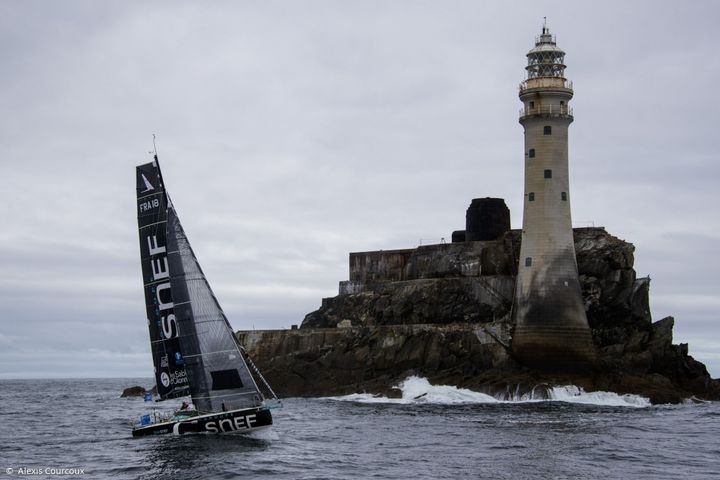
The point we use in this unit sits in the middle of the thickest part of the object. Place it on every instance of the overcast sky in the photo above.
(294, 132)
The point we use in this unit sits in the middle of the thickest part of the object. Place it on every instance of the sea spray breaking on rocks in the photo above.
(418, 390)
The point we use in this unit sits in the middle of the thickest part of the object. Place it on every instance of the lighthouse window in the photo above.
(532, 104)
(547, 130)
(531, 197)
(563, 196)
(528, 261)
(548, 173)
(531, 153)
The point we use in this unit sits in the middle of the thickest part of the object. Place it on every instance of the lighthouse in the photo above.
(551, 328)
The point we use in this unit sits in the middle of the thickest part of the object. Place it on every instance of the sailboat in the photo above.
(194, 349)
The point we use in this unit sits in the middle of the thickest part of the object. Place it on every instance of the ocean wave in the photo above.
(573, 394)
(419, 390)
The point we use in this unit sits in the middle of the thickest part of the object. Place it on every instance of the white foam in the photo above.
(417, 390)
(573, 394)
(267, 434)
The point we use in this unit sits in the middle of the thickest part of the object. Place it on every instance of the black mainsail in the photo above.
(170, 374)
(194, 347)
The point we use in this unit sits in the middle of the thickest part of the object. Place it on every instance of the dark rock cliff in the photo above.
(444, 312)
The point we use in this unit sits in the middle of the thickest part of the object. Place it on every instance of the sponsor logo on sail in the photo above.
(165, 379)
(148, 185)
(178, 377)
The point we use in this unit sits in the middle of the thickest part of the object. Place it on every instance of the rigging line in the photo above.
(248, 361)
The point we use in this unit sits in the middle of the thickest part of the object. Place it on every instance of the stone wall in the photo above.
(464, 259)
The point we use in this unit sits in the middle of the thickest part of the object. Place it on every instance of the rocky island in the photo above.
(501, 311)
(444, 312)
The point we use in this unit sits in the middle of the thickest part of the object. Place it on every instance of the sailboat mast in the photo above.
(159, 173)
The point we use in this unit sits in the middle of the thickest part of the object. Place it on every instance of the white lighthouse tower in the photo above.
(551, 328)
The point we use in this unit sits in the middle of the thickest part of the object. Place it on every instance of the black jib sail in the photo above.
(170, 375)
(217, 373)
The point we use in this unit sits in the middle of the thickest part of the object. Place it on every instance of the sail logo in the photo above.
(148, 185)
(178, 377)
(231, 424)
(163, 293)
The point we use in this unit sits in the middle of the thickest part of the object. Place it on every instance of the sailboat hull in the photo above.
(237, 421)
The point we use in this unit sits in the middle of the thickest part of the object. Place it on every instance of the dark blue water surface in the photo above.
(85, 424)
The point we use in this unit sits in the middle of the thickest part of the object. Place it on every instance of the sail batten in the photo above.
(152, 224)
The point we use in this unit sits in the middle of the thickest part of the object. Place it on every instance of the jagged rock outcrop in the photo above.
(444, 312)
(136, 391)
(423, 301)
(320, 362)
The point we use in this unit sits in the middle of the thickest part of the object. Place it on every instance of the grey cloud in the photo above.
(293, 133)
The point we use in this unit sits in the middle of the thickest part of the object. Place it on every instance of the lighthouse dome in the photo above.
(545, 47)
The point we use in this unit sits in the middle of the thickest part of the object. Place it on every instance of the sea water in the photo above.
(82, 429)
